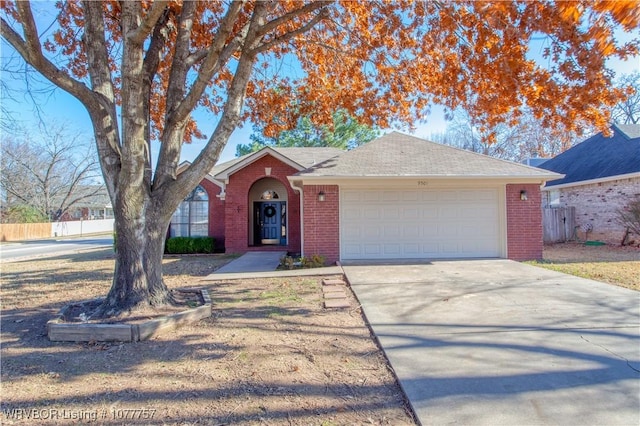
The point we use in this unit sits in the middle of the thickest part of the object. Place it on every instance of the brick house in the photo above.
(396, 197)
(602, 174)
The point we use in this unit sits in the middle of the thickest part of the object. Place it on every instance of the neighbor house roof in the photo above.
(599, 157)
(399, 155)
(300, 158)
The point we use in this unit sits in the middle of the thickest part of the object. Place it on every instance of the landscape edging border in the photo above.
(57, 331)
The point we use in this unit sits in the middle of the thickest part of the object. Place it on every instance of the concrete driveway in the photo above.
(496, 342)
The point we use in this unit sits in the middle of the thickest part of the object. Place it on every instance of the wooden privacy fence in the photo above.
(558, 224)
(24, 231)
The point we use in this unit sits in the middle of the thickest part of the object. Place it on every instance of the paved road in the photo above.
(49, 248)
(503, 343)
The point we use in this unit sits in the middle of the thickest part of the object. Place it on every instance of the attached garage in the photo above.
(401, 197)
(426, 223)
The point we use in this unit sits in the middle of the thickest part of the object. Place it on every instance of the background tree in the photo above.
(44, 173)
(343, 133)
(527, 138)
(142, 68)
(627, 111)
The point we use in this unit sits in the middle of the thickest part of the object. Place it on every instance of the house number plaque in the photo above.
(423, 183)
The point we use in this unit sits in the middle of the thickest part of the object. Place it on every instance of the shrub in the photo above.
(289, 262)
(315, 261)
(190, 245)
(629, 217)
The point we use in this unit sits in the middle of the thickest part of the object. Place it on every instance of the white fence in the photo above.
(81, 227)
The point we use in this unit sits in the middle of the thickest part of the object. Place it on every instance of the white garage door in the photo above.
(399, 224)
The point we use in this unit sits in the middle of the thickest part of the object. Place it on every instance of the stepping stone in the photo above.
(333, 282)
(332, 289)
(337, 303)
(336, 295)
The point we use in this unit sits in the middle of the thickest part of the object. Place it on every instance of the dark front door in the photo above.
(270, 222)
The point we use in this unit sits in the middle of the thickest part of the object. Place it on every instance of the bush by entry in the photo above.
(190, 245)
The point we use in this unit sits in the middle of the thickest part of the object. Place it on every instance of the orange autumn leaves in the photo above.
(388, 62)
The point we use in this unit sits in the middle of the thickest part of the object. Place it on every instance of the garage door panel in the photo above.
(391, 213)
(391, 231)
(392, 250)
(372, 249)
(372, 213)
(377, 224)
(411, 249)
(429, 212)
(410, 213)
(410, 196)
(390, 196)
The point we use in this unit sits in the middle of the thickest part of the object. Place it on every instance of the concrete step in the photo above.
(337, 303)
(336, 295)
(327, 281)
(332, 289)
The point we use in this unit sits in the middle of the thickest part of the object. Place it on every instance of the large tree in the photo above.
(343, 133)
(141, 68)
(48, 169)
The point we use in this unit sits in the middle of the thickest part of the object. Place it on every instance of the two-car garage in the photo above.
(401, 197)
(398, 223)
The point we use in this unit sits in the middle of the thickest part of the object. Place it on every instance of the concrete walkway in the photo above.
(263, 264)
(496, 342)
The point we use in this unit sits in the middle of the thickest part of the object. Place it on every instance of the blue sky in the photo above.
(57, 106)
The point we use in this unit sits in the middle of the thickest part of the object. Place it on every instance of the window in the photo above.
(269, 195)
(191, 219)
(553, 198)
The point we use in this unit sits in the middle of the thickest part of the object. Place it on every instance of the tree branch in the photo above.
(31, 51)
(179, 107)
(288, 36)
(212, 62)
(149, 22)
(308, 8)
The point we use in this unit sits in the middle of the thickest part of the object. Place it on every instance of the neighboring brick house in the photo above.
(395, 197)
(602, 174)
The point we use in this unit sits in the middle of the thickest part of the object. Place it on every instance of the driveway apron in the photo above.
(496, 342)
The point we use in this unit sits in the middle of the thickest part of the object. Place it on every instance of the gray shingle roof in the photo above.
(599, 157)
(396, 154)
(305, 157)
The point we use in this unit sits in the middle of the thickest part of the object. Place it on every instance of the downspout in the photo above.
(300, 190)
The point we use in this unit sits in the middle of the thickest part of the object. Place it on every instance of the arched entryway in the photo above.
(268, 213)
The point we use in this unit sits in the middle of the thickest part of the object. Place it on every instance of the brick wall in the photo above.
(237, 208)
(216, 212)
(322, 222)
(524, 222)
(597, 204)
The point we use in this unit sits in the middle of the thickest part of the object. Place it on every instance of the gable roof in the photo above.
(399, 155)
(599, 157)
(299, 158)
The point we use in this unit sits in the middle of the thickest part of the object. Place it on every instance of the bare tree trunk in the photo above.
(137, 280)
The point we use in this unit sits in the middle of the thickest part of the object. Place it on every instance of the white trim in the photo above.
(423, 181)
(224, 174)
(300, 190)
(186, 164)
(592, 181)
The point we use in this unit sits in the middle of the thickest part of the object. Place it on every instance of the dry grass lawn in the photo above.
(611, 264)
(270, 354)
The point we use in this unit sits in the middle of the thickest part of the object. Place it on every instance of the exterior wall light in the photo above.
(321, 196)
(523, 195)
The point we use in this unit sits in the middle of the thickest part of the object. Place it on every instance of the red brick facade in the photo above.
(322, 222)
(524, 222)
(216, 212)
(231, 223)
(237, 206)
